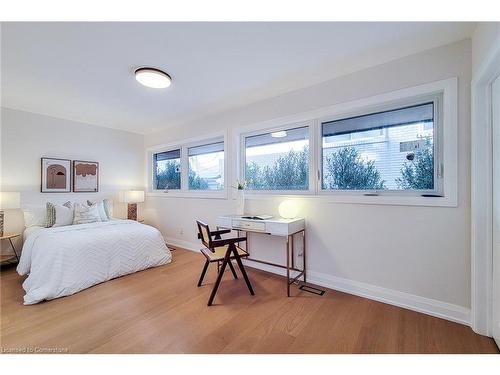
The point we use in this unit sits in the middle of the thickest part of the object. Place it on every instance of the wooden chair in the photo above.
(221, 250)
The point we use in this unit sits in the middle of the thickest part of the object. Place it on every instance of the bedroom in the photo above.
(269, 192)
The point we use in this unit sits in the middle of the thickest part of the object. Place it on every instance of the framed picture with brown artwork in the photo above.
(85, 176)
(55, 175)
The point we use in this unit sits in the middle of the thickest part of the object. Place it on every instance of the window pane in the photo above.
(390, 150)
(206, 167)
(167, 170)
(278, 161)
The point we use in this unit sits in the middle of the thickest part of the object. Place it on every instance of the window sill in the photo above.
(189, 194)
(389, 200)
(386, 200)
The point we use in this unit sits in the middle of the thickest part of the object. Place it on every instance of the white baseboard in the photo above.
(174, 242)
(444, 310)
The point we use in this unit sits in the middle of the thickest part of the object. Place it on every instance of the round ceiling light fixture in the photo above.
(152, 77)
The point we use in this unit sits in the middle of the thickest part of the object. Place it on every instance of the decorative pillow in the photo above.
(34, 216)
(85, 214)
(51, 213)
(64, 214)
(100, 208)
(108, 208)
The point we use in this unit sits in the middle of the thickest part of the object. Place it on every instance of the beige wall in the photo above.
(423, 251)
(26, 137)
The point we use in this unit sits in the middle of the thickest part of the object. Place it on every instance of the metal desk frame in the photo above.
(290, 257)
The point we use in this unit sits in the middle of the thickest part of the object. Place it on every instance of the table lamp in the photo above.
(132, 197)
(288, 209)
(8, 201)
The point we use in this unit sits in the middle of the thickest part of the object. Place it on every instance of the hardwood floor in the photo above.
(162, 311)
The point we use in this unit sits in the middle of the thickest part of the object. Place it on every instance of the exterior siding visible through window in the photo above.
(206, 167)
(390, 150)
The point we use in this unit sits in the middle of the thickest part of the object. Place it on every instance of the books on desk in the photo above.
(258, 217)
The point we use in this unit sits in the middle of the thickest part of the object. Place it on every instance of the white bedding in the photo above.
(29, 231)
(64, 260)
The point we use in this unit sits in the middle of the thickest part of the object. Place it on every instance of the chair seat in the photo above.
(220, 252)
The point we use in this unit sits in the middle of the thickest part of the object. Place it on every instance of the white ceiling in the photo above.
(84, 71)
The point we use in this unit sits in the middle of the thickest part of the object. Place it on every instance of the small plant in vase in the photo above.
(240, 197)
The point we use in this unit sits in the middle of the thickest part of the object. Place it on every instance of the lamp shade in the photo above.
(288, 209)
(9, 200)
(132, 196)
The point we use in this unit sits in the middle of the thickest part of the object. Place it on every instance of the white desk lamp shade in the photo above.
(10, 200)
(132, 196)
(288, 209)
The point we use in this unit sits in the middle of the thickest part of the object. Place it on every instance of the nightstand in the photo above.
(9, 257)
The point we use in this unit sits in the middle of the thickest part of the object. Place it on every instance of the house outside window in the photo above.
(206, 166)
(392, 150)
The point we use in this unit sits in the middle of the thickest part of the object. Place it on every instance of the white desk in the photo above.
(276, 227)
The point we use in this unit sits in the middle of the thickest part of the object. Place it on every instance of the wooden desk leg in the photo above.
(288, 266)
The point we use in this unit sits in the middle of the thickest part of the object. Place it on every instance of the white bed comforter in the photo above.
(62, 261)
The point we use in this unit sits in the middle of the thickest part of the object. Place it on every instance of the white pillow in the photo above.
(51, 213)
(108, 208)
(64, 214)
(85, 214)
(100, 208)
(35, 216)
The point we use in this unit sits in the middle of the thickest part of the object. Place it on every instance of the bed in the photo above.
(61, 261)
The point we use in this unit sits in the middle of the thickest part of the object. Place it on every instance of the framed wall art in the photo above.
(85, 176)
(56, 175)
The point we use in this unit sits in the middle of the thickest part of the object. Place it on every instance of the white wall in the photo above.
(405, 252)
(485, 37)
(26, 137)
(485, 67)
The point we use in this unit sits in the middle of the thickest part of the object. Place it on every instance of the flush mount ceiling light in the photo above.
(280, 134)
(152, 77)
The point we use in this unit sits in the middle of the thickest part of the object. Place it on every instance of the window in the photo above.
(389, 150)
(192, 168)
(167, 170)
(206, 167)
(277, 160)
(396, 148)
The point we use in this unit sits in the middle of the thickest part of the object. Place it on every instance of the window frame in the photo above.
(447, 133)
(242, 158)
(184, 145)
(207, 143)
(436, 99)
(153, 167)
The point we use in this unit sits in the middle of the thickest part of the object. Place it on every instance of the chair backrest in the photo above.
(204, 232)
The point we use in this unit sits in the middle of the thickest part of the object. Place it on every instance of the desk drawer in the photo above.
(249, 225)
